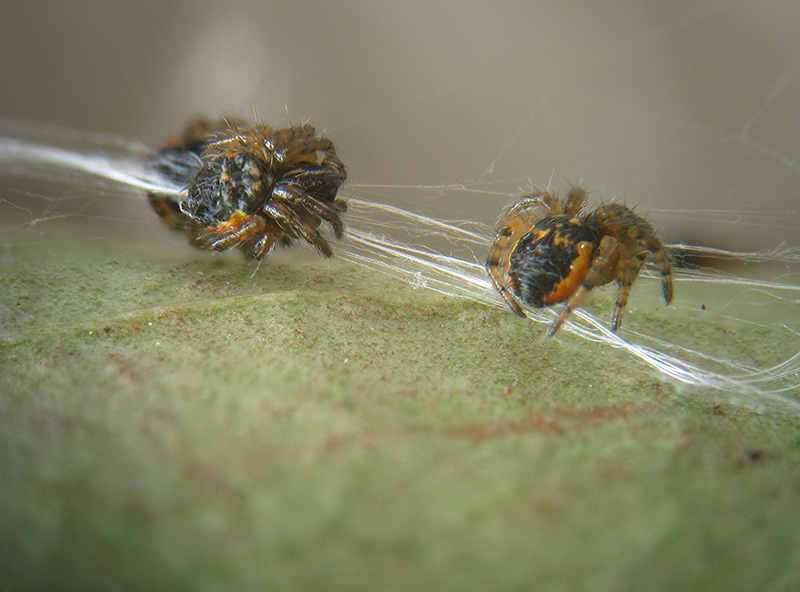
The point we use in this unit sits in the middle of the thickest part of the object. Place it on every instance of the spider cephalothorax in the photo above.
(251, 187)
(560, 253)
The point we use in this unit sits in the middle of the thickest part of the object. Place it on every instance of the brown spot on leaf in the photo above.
(556, 422)
(749, 457)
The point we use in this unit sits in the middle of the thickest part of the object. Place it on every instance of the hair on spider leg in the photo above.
(561, 254)
(251, 187)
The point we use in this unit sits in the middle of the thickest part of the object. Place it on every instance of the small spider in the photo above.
(251, 187)
(561, 255)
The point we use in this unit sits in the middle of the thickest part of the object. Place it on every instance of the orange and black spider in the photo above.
(251, 187)
(560, 255)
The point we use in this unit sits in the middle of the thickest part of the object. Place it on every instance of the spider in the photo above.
(251, 187)
(560, 256)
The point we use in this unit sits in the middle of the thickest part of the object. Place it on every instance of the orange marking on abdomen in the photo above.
(236, 220)
(577, 271)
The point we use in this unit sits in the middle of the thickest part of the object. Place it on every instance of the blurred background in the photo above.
(687, 109)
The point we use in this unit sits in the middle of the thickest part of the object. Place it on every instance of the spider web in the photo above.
(717, 173)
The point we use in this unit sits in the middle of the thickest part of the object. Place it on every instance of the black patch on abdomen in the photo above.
(538, 264)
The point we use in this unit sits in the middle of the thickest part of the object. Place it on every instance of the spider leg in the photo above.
(299, 227)
(330, 168)
(602, 271)
(236, 233)
(662, 259)
(494, 265)
(660, 254)
(540, 197)
(320, 180)
(626, 276)
(575, 201)
(312, 236)
(303, 146)
(261, 244)
(314, 206)
(636, 233)
(499, 284)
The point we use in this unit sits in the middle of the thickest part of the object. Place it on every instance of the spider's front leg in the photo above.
(602, 270)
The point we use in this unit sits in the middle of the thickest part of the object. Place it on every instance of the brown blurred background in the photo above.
(674, 106)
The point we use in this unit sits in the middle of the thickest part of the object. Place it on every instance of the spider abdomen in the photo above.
(226, 184)
(548, 263)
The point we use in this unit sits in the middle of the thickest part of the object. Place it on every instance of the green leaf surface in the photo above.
(185, 424)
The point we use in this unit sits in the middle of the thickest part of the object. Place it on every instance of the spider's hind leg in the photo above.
(662, 259)
(626, 277)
